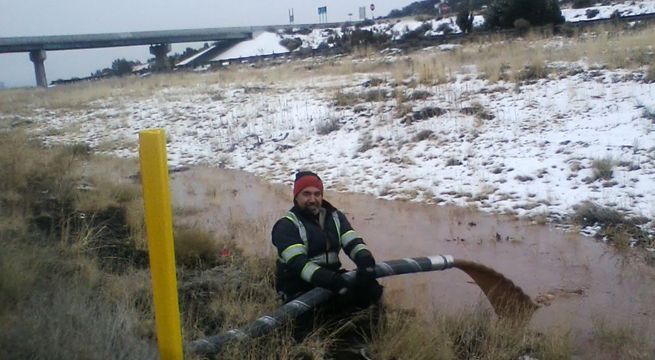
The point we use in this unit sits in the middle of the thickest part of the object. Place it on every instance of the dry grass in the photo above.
(621, 237)
(30, 171)
(400, 336)
(342, 98)
(71, 294)
(603, 168)
(90, 95)
(197, 249)
(433, 70)
(327, 126)
(90, 310)
(526, 58)
(589, 214)
(103, 193)
(403, 335)
(495, 57)
(650, 73)
(51, 290)
(365, 143)
(617, 342)
(622, 231)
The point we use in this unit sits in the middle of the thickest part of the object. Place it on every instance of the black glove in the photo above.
(365, 275)
(365, 267)
(364, 259)
(339, 285)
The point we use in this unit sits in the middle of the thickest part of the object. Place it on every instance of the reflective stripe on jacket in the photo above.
(304, 247)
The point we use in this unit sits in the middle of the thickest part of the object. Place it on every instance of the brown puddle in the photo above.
(579, 279)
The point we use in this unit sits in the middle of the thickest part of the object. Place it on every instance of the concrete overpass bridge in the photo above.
(159, 41)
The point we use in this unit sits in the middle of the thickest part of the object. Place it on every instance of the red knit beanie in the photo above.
(305, 179)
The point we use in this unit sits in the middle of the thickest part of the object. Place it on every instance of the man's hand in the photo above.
(365, 275)
(339, 285)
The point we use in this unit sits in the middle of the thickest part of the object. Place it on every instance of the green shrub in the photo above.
(588, 214)
(619, 229)
(465, 20)
(521, 25)
(291, 43)
(503, 13)
(122, 67)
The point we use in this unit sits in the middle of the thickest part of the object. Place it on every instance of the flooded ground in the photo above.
(578, 280)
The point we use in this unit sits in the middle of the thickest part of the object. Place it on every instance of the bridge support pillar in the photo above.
(160, 51)
(37, 57)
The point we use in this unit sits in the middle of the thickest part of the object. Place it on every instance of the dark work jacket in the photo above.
(319, 242)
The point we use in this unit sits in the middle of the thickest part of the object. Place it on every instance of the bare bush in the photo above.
(649, 113)
(534, 71)
(650, 73)
(365, 143)
(603, 168)
(419, 95)
(195, 248)
(343, 99)
(591, 13)
(423, 135)
(327, 126)
(374, 95)
(588, 213)
(453, 162)
(521, 25)
(478, 110)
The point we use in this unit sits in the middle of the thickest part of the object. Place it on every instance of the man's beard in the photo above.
(311, 210)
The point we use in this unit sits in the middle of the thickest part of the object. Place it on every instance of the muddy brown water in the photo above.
(579, 279)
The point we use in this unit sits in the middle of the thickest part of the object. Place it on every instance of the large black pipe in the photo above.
(214, 344)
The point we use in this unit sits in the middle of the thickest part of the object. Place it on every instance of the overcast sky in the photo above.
(64, 17)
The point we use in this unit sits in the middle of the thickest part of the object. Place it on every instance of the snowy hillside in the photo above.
(536, 148)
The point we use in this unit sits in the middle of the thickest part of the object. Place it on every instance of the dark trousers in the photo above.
(341, 309)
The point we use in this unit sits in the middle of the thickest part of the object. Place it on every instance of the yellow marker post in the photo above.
(159, 227)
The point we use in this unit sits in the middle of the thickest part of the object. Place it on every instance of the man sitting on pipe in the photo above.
(308, 240)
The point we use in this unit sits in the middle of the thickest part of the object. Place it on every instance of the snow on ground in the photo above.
(267, 43)
(531, 154)
(315, 37)
(528, 149)
(605, 11)
(197, 55)
(397, 28)
(264, 43)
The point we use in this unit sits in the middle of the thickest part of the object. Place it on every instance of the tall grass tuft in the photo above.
(198, 249)
(603, 168)
(56, 297)
(612, 342)
(37, 182)
(469, 335)
(650, 73)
